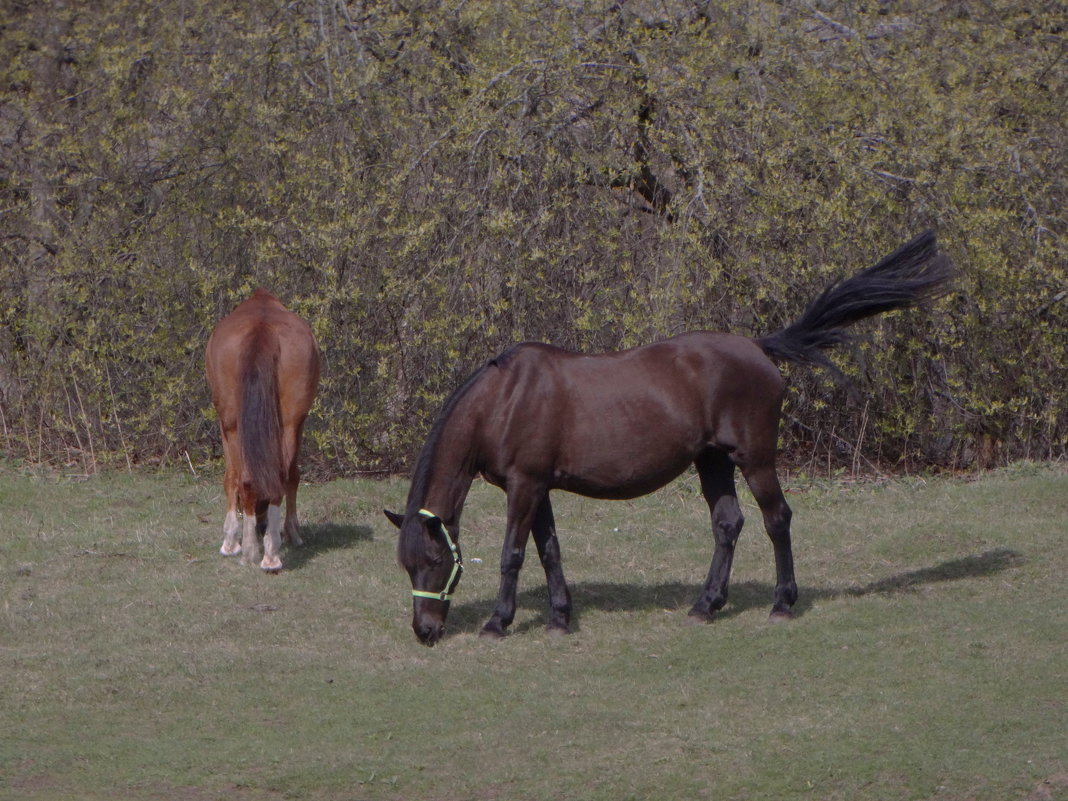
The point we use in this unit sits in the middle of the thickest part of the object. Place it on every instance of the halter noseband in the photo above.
(457, 565)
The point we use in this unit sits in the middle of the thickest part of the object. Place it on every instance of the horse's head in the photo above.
(431, 555)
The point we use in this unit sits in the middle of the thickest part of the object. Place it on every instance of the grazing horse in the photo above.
(620, 425)
(263, 368)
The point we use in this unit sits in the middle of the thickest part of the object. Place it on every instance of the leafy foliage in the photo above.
(427, 184)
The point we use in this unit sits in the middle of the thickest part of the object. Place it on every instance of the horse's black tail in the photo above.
(259, 427)
(914, 272)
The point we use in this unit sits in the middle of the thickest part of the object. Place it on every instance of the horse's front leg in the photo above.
(521, 507)
(291, 529)
(272, 540)
(544, 530)
(250, 543)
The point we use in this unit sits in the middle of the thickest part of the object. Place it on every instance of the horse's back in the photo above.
(698, 367)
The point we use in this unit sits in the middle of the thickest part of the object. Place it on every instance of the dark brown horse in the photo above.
(620, 425)
(263, 368)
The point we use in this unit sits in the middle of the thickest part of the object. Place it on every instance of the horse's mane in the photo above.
(425, 463)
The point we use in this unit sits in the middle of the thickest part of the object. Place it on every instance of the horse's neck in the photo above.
(452, 468)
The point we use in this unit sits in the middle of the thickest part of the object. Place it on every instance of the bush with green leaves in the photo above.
(427, 184)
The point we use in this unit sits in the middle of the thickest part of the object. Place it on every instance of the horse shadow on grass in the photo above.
(321, 538)
(744, 595)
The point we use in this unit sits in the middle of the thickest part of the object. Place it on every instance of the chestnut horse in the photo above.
(263, 368)
(620, 425)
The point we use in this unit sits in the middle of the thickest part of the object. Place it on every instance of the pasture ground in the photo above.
(929, 659)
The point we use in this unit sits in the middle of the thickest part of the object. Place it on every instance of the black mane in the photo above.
(425, 463)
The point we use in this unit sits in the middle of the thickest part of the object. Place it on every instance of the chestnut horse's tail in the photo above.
(260, 427)
(911, 273)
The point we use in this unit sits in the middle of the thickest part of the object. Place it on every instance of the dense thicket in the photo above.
(427, 182)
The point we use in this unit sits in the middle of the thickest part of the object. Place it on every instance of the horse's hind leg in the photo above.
(544, 530)
(716, 471)
(231, 546)
(765, 486)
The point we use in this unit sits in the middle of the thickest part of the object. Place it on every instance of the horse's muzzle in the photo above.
(428, 633)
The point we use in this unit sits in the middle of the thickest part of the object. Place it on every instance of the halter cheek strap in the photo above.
(457, 564)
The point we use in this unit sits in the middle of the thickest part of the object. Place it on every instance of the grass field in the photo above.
(929, 659)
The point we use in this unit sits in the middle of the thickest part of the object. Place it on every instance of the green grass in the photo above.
(929, 659)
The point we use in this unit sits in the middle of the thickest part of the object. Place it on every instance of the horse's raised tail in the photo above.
(259, 428)
(914, 272)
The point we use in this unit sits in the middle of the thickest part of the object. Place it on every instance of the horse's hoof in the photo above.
(492, 632)
(557, 630)
(271, 565)
(699, 618)
(231, 551)
(781, 616)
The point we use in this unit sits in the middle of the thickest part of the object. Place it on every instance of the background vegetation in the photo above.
(927, 661)
(427, 182)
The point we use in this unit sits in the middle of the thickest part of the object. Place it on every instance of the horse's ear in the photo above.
(394, 518)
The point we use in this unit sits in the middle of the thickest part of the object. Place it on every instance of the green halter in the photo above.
(457, 565)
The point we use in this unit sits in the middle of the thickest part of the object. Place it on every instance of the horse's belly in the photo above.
(622, 472)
